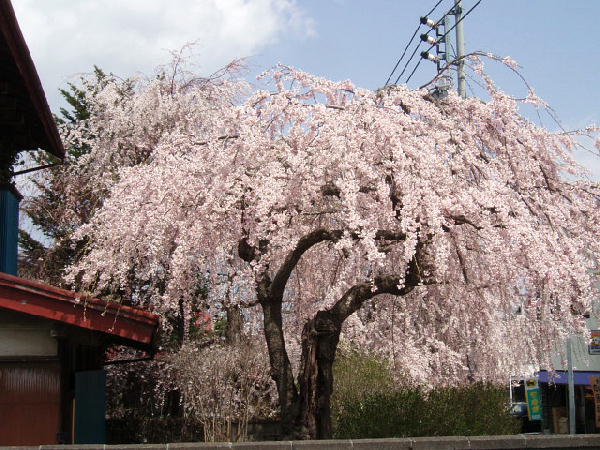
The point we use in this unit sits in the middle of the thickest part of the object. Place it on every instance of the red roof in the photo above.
(38, 299)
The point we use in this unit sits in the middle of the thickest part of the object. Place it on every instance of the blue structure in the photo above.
(9, 225)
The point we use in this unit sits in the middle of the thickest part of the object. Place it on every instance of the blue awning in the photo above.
(562, 377)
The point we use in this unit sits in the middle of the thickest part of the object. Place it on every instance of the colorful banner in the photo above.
(595, 342)
(533, 395)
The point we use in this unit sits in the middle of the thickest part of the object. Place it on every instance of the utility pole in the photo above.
(441, 43)
(571, 386)
(460, 49)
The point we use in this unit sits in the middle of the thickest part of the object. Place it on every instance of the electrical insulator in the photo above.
(429, 39)
(429, 56)
(427, 21)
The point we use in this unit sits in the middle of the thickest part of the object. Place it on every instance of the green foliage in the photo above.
(358, 376)
(367, 405)
(46, 259)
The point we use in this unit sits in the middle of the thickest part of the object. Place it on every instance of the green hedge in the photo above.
(366, 405)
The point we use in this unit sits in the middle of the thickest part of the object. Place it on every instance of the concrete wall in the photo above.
(585, 441)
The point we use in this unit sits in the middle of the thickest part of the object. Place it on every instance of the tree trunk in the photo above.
(281, 369)
(320, 338)
(235, 324)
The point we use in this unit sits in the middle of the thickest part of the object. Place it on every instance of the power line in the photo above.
(419, 62)
(416, 48)
(408, 62)
(415, 51)
(477, 82)
(414, 70)
(403, 53)
(471, 89)
(408, 45)
(434, 8)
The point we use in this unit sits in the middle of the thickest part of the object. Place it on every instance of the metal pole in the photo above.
(571, 387)
(460, 49)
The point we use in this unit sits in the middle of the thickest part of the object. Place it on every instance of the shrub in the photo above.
(367, 405)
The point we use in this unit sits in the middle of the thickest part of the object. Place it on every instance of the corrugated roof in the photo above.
(133, 325)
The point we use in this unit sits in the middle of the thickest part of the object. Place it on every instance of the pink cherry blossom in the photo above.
(453, 236)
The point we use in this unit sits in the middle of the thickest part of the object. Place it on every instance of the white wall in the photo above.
(24, 335)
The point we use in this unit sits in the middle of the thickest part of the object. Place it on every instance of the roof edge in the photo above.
(9, 27)
(60, 304)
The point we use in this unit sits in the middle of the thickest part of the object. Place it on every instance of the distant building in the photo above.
(554, 388)
(586, 366)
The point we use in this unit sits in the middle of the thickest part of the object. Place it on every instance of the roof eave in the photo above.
(10, 31)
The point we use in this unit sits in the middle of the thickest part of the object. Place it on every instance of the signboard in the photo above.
(595, 382)
(595, 342)
(533, 395)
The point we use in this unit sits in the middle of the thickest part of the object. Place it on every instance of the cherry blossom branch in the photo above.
(354, 297)
(462, 220)
(220, 138)
(334, 191)
(308, 241)
(506, 61)
(247, 252)
(291, 260)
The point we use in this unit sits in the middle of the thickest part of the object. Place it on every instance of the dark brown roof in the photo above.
(125, 324)
(25, 119)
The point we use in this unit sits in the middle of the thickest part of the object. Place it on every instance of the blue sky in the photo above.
(553, 42)
(339, 39)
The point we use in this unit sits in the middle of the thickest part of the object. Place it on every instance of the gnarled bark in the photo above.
(305, 411)
(281, 369)
(320, 338)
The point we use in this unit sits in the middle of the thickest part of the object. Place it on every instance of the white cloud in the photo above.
(67, 37)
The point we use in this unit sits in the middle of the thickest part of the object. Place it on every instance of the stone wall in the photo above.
(548, 442)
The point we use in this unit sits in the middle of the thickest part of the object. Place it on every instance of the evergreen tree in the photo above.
(44, 253)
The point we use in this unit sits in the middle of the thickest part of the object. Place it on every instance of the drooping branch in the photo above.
(461, 219)
(246, 251)
(396, 202)
(291, 260)
(392, 284)
(220, 138)
(249, 252)
(354, 297)
(310, 240)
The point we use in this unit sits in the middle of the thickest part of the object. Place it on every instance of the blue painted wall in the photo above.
(9, 226)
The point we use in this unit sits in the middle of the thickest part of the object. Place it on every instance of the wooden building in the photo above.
(52, 341)
(52, 347)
